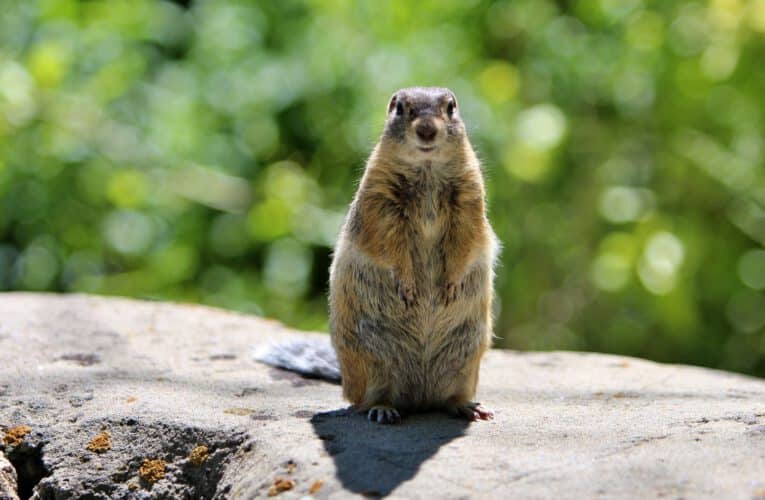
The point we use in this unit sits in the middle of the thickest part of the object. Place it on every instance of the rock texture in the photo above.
(162, 380)
(8, 484)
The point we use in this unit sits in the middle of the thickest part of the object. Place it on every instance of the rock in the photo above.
(8, 485)
(164, 380)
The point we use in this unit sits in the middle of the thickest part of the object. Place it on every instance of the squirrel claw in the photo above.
(472, 412)
(384, 415)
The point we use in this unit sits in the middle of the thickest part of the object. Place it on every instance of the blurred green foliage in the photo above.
(206, 151)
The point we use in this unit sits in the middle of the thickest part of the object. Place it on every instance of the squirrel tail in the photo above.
(312, 358)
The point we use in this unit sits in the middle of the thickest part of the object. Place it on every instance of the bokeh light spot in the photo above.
(620, 204)
(660, 264)
(542, 126)
(499, 81)
(127, 189)
(751, 269)
(17, 101)
(689, 32)
(527, 163)
(287, 268)
(719, 61)
(48, 63)
(129, 232)
(175, 262)
(756, 15)
(618, 9)
(645, 30)
(611, 272)
(37, 267)
(269, 220)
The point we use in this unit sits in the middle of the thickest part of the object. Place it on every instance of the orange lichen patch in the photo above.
(152, 471)
(199, 455)
(100, 443)
(280, 484)
(14, 436)
(316, 486)
(131, 399)
(242, 412)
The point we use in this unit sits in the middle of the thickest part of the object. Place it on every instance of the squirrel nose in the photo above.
(426, 131)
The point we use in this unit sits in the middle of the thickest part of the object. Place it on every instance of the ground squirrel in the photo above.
(411, 277)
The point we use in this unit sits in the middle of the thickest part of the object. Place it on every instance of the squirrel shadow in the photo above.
(373, 459)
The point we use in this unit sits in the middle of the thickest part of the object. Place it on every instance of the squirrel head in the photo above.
(424, 123)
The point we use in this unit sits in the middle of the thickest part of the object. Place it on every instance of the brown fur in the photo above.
(411, 278)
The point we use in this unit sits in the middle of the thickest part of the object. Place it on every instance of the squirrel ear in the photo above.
(392, 103)
(454, 98)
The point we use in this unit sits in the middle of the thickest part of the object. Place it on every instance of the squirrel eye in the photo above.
(450, 108)
(399, 108)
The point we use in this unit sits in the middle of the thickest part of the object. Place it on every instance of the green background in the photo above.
(206, 152)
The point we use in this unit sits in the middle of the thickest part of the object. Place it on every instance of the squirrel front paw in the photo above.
(407, 291)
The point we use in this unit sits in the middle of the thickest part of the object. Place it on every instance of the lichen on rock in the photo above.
(152, 470)
(281, 484)
(199, 455)
(14, 436)
(100, 443)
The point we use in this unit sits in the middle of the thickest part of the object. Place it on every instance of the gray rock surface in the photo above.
(8, 484)
(162, 379)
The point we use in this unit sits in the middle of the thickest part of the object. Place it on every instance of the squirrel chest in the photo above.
(427, 196)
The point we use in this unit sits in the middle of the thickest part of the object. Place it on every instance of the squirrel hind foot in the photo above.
(384, 415)
(471, 411)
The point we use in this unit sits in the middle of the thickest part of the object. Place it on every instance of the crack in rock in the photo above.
(28, 467)
(77, 472)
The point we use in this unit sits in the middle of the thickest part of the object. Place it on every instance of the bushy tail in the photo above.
(314, 358)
